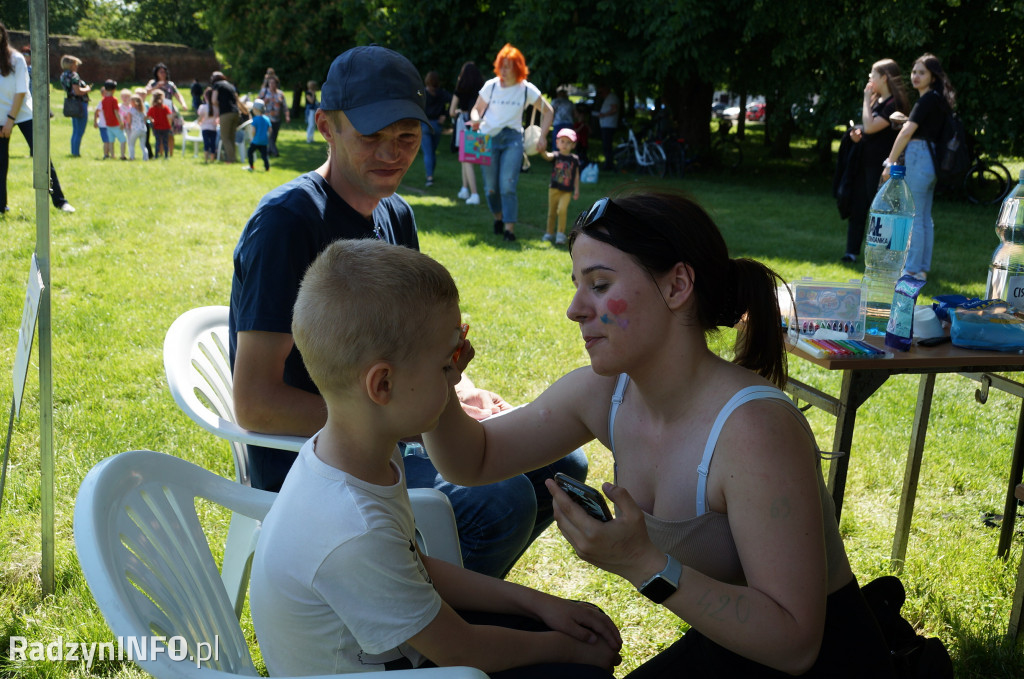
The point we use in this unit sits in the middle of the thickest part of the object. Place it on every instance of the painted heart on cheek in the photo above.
(617, 306)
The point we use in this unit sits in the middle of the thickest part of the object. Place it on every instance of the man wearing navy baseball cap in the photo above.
(371, 109)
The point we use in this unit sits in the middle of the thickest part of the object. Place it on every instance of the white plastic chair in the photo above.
(191, 133)
(198, 372)
(148, 564)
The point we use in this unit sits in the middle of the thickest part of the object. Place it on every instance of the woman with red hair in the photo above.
(498, 113)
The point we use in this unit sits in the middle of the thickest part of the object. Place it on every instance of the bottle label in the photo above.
(890, 232)
(1015, 291)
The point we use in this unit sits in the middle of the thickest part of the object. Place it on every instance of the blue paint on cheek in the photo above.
(606, 319)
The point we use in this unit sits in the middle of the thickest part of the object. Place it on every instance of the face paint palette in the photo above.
(838, 307)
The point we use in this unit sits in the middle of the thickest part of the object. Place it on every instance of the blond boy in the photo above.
(338, 584)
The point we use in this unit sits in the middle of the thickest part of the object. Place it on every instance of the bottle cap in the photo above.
(897, 171)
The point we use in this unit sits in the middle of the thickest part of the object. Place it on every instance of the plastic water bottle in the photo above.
(1006, 272)
(890, 220)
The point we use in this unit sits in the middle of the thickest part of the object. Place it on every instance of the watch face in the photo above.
(658, 589)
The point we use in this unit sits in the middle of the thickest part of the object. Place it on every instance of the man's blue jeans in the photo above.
(501, 177)
(431, 138)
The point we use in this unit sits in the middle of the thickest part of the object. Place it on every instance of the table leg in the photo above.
(858, 386)
(910, 476)
(1016, 471)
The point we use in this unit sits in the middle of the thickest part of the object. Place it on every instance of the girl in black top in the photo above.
(937, 100)
(884, 95)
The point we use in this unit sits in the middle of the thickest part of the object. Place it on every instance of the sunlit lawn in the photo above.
(151, 240)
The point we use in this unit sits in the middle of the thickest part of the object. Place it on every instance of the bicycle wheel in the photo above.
(728, 153)
(625, 158)
(654, 159)
(674, 161)
(986, 182)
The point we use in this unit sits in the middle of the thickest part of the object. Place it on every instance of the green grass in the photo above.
(151, 240)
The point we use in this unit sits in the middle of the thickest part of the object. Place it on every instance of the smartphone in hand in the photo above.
(585, 496)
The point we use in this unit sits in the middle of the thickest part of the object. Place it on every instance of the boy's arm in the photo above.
(547, 155)
(580, 633)
(576, 183)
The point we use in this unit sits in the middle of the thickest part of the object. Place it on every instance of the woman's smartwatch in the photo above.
(664, 583)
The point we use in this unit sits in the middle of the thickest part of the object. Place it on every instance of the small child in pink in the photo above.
(565, 184)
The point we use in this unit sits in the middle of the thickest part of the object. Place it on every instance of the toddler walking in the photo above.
(261, 136)
(565, 183)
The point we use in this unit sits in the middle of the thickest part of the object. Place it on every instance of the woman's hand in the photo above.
(619, 546)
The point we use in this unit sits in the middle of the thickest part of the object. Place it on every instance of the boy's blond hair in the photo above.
(362, 301)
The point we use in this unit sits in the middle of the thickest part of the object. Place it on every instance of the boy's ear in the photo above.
(379, 383)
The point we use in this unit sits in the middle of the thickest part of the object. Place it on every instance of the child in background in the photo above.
(208, 126)
(100, 123)
(140, 92)
(260, 137)
(161, 117)
(565, 183)
(111, 114)
(338, 584)
(135, 122)
(124, 108)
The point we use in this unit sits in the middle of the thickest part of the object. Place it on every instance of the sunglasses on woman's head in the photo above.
(602, 208)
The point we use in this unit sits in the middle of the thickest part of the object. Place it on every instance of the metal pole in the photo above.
(38, 32)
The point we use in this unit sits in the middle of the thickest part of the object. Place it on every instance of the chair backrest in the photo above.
(149, 566)
(198, 371)
(148, 563)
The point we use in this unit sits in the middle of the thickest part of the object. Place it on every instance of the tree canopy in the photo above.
(808, 59)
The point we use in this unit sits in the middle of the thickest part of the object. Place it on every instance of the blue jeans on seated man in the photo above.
(496, 522)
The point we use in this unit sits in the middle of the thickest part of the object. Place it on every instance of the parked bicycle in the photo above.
(987, 181)
(640, 156)
(725, 152)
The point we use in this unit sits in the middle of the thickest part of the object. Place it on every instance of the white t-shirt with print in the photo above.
(337, 584)
(505, 105)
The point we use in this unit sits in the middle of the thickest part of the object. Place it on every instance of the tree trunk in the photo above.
(781, 126)
(689, 105)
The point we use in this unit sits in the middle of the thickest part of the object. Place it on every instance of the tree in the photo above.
(64, 15)
(800, 54)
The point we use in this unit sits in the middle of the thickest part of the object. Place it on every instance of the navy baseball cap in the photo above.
(374, 87)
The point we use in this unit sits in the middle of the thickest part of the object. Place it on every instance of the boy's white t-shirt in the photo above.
(505, 105)
(337, 583)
